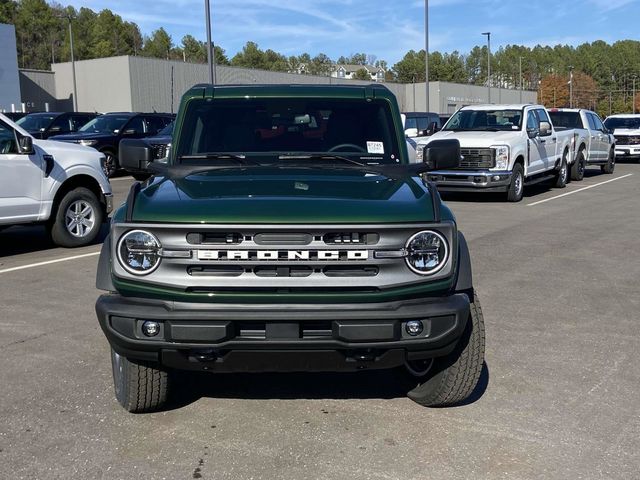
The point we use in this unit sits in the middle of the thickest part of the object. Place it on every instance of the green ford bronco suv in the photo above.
(287, 231)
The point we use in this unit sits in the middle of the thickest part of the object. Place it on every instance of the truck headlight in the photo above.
(139, 252)
(427, 252)
(88, 143)
(502, 156)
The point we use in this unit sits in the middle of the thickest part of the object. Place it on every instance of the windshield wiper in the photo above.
(221, 156)
(322, 156)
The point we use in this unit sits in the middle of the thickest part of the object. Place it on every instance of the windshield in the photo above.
(631, 123)
(36, 122)
(566, 119)
(166, 131)
(106, 124)
(487, 120)
(276, 128)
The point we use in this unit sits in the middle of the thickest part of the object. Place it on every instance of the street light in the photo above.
(426, 50)
(73, 63)
(634, 94)
(488, 34)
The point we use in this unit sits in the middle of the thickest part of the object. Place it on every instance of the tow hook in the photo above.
(203, 356)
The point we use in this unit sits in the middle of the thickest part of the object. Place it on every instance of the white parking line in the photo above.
(579, 190)
(49, 262)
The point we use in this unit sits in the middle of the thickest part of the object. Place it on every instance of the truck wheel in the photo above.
(449, 380)
(562, 175)
(578, 167)
(77, 220)
(109, 164)
(516, 187)
(140, 386)
(610, 166)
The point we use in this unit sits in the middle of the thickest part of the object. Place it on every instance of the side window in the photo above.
(137, 125)
(60, 124)
(532, 121)
(423, 123)
(7, 140)
(542, 115)
(592, 123)
(411, 123)
(155, 124)
(78, 121)
(597, 122)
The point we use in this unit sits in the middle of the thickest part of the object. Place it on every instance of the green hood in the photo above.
(284, 196)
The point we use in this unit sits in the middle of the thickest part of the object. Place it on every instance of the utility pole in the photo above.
(426, 50)
(610, 103)
(634, 94)
(210, 52)
(488, 34)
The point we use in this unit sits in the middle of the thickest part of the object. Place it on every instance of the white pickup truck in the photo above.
(593, 143)
(57, 184)
(504, 148)
(626, 130)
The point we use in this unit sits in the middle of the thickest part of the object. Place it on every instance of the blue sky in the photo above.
(384, 28)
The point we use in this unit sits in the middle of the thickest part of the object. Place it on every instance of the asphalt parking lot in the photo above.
(558, 276)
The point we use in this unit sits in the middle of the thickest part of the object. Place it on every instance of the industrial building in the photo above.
(130, 83)
(9, 79)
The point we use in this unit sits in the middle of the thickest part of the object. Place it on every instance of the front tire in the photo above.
(610, 166)
(110, 164)
(77, 219)
(516, 187)
(140, 387)
(452, 379)
(578, 167)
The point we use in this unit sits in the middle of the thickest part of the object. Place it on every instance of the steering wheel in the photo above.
(353, 146)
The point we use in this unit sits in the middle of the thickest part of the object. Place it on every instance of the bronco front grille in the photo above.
(477, 158)
(627, 139)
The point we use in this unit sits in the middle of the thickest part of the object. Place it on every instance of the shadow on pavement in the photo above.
(189, 387)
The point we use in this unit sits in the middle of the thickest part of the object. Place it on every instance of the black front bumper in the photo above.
(231, 338)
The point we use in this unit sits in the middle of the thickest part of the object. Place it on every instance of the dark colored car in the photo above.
(44, 125)
(421, 124)
(105, 132)
(14, 116)
(159, 147)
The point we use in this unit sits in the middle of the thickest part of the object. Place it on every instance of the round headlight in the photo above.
(139, 252)
(427, 252)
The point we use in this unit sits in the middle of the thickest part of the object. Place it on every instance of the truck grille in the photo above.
(159, 150)
(251, 258)
(477, 158)
(627, 139)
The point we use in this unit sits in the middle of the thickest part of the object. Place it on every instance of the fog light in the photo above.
(151, 329)
(414, 327)
(496, 178)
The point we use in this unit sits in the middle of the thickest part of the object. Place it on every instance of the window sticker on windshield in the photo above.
(375, 147)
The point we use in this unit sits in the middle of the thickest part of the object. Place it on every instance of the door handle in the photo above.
(542, 140)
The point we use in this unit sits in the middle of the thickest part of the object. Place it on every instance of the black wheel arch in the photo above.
(464, 280)
(103, 274)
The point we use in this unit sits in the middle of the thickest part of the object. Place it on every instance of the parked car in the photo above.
(504, 148)
(626, 130)
(593, 143)
(14, 116)
(60, 186)
(420, 124)
(46, 124)
(159, 145)
(269, 243)
(105, 132)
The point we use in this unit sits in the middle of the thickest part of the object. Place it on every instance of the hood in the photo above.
(284, 195)
(476, 139)
(77, 136)
(626, 131)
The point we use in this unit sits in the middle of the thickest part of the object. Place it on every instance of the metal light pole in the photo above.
(426, 50)
(520, 79)
(488, 34)
(571, 86)
(73, 63)
(210, 53)
(634, 94)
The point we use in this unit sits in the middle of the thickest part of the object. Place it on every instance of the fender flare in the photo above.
(464, 282)
(103, 273)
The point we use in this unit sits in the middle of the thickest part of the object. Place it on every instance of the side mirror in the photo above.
(442, 154)
(431, 129)
(411, 132)
(533, 132)
(134, 154)
(25, 146)
(545, 129)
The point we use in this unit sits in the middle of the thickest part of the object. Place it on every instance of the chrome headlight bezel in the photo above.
(88, 143)
(443, 260)
(502, 156)
(129, 268)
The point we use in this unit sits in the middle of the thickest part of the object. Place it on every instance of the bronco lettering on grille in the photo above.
(283, 255)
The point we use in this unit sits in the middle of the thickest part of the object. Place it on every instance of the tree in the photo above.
(321, 64)
(555, 91)
(361, 74)
(158, 45)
